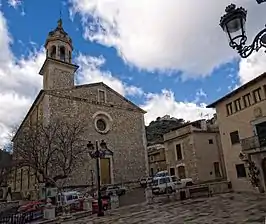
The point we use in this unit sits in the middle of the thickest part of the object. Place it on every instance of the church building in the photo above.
(107, 115)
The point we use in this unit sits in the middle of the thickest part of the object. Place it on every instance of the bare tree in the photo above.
(5, 167)
(51, 151)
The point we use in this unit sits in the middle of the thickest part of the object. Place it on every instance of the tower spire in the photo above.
(60, 22)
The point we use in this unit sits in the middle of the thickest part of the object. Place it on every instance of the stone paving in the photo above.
(227, 208)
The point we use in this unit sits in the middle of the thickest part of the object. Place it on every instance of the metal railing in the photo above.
(21, 218)
(254, 142)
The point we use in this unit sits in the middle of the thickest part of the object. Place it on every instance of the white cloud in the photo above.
(200, 94)
(165, 35)
(14, 3)
(20, 81)
(90, 72)
(17, 4)
(252, 66)
(158, 105)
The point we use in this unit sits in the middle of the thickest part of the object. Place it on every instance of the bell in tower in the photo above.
(58, 44)
(58, 70)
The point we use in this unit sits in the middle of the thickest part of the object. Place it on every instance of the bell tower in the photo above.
(58, 70)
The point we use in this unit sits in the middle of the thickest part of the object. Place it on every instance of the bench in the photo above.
(199, 191)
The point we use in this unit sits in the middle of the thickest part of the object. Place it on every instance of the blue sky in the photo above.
(156, 54)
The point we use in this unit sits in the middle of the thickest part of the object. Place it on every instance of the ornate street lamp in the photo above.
(233, 23)
(260, 1)
(96, 153)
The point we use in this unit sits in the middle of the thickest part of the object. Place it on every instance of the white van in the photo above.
(163, 185)
(69, 197)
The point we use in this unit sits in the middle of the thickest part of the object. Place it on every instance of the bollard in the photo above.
(182, 195)
(88, 204)
(114, 201)
(148, 194)
(49, 210)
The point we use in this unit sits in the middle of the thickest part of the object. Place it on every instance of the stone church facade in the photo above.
(107, 114)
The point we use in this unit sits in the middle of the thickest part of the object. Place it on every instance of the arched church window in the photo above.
(69, 55)
(62, 53)
(53, 52)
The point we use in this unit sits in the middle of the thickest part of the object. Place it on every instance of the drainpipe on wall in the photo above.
(221, 155)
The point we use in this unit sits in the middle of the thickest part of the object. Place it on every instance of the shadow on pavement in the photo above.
(134, 196)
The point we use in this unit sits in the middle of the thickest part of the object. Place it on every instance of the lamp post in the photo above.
(233, 24)
(92, 180)
(96, 153)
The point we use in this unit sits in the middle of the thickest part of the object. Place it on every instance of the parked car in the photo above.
(163, 185)
(144, 181)
(105, 204)
(31, 206)
(181, 183)
(110, 190)
(69, 198)
(121, 190)
(163, 173)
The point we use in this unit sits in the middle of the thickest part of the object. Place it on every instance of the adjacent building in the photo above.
(156, 158)
(241, 117)
(194, 151)
(106, 114)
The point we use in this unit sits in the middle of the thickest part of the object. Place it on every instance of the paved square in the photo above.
(226, 208)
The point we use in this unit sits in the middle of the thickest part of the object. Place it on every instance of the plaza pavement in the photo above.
(227, 208)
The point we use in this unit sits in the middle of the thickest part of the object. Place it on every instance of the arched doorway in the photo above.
(62, 53)
(263, 167)
(53, 51)
(106, 168)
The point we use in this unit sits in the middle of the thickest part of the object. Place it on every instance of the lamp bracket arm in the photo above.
(255, 46)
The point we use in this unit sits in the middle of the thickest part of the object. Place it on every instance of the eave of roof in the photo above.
(241, 88)
(109, 88)
(184, 125)
(78, 86)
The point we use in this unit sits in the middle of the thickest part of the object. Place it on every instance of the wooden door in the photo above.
(105, 171)
(263, 166)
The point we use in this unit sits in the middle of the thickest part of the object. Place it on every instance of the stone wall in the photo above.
(189, 160)
(214, 188)
(220, 187)
(124, 139)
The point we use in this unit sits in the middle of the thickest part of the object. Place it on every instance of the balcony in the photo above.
(254, 144)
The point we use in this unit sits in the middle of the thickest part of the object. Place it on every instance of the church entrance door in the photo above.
(105, 171)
